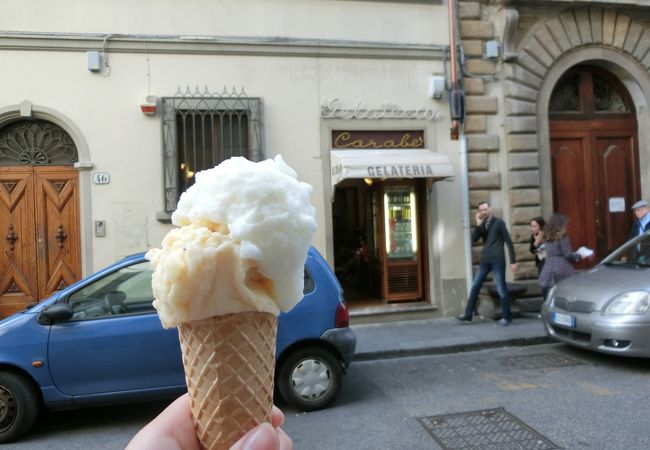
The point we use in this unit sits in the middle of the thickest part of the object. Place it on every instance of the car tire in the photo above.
(310, 378)
(19, 406)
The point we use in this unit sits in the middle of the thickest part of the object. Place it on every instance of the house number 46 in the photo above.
(101, 178)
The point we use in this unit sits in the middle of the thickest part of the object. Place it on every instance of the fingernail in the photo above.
(260, 438)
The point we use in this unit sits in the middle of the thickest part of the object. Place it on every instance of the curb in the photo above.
(457, 348)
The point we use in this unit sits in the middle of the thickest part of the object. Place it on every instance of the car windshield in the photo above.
(124, 291)
(635, 253)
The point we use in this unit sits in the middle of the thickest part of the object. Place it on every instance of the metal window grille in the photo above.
(202, 129)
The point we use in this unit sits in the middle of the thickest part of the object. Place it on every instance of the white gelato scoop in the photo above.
(245, 229)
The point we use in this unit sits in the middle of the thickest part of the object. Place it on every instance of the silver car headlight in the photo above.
(633, 302)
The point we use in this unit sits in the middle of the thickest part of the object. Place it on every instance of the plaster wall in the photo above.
(128, 145)
(322, 19)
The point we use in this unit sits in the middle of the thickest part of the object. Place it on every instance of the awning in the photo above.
(402, 163)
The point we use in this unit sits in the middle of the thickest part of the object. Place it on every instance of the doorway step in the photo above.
(391, 312)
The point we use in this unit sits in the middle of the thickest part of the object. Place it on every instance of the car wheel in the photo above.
(19, 406)
(310, 378)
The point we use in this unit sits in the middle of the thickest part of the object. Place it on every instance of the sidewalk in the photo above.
(444, 335)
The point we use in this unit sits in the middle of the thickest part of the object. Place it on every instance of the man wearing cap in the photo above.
(642, 222)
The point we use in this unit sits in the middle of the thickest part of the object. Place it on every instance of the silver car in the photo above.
(607, 308)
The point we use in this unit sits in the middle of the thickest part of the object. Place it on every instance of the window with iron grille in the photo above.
(201, 129)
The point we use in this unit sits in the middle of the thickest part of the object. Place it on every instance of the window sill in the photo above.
(163, 217)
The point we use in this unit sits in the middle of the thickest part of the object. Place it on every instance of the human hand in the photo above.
(513, 268)
(266, 436)
(173, 429)
(478, 219)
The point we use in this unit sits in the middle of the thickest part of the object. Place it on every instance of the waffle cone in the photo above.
(229, 366)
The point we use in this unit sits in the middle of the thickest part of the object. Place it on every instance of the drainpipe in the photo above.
(456, 97)
(457, 109)
(466, 221)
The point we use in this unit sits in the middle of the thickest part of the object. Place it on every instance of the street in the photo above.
(572, 399)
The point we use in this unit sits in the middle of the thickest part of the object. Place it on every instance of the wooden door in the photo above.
(570, 176)
(41, 251)
(594, 158)
(57, 228)
(617, 173)
(18, 275)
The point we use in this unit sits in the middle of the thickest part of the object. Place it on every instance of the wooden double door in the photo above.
(594, 158)
(39, 222)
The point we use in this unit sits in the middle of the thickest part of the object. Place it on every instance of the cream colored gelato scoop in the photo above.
(245, 229)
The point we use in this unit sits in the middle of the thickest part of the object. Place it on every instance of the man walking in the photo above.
(642, 222)
(494, 233)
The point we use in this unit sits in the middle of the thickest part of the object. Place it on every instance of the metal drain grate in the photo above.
(539, 361)
(491, 429)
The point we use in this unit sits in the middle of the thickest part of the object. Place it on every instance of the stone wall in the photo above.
(487, 179)
(530, 46)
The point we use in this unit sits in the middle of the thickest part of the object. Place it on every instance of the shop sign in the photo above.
(377, 139)
(336, 109)
(400, 163)
(401, 171)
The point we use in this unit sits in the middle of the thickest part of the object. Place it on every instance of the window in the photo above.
(309, 284)
(125, 291)
(36, 143)
(566, 95)
(588, 91)
(200, 130)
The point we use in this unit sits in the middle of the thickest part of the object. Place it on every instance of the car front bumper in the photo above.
(616, 335)
(344, 340)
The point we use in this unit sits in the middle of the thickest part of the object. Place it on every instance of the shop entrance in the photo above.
(379, 240)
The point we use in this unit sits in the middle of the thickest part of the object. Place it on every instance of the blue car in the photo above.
(100, 341)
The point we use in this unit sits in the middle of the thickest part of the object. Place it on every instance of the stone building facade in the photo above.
(514, 153)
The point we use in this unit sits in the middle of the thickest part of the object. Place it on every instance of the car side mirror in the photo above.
(58, 312)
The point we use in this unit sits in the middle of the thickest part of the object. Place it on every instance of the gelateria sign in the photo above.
(375, 139)
(396, 163)
(337, 109)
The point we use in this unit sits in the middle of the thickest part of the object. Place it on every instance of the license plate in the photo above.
(563, 319)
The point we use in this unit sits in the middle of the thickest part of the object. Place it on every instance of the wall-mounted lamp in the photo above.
(368, 181)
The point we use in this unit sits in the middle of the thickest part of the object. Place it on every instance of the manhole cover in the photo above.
(491, 429)
(539, 361)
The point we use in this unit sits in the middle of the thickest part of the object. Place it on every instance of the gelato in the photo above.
(245, 231)
(222, 279)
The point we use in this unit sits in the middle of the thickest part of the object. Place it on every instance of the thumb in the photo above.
(262, 437)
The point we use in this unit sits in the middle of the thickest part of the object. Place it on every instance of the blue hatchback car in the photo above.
(100, 341)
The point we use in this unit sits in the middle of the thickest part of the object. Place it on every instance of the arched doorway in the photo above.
(594, 157)
(39, 213)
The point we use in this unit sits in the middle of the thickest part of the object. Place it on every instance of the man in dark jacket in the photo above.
(494, 233)
(642, 222)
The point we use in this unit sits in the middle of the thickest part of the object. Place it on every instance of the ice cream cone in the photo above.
(229, 367)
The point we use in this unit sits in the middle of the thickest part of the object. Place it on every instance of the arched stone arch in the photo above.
(604, 37)
(26, 110)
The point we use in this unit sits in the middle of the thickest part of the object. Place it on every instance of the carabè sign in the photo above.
(101, 178)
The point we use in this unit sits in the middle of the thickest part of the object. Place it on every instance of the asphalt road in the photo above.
(573, 399)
